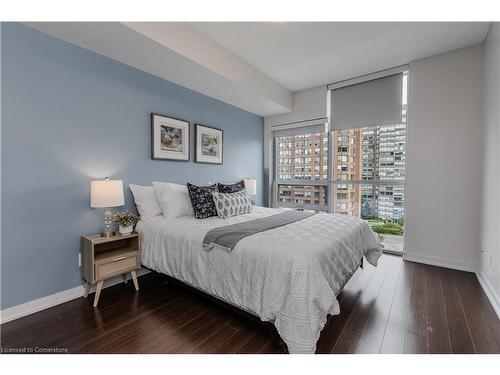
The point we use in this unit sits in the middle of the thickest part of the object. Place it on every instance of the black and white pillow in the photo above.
(231, 188)
(202, 200)
(232, 204)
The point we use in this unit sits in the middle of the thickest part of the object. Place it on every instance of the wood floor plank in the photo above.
(402, 295)
(373, 334)
(274, 346)
(333, 328)
(191, 334)
(415, 344)
(395, 332)
(416, 324)
(255, 344)
(352, 291)
(461, 340)
(350, 284)
(437, 330)
(347, 343)
(212, 342)
(489, 312)
(236, 341)
(482, 337)
(361, 313)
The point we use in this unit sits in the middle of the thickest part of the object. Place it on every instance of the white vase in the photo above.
(125, 230)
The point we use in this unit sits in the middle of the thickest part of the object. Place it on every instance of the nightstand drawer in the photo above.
(115, 267)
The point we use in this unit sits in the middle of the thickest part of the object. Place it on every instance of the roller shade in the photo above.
(375, 102)
(298, 129)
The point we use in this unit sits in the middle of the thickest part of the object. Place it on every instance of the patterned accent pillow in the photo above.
(232, 204)
(231, 188)
(202, 200)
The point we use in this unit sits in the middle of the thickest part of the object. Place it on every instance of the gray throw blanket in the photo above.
(228, 236)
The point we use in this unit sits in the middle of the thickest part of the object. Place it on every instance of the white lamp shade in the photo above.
(106, 193)
(250, 186)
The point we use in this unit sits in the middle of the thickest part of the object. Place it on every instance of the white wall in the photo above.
(307, 105)
(444, 159)
(489, 262)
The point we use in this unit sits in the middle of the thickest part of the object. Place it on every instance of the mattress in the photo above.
(290, 275)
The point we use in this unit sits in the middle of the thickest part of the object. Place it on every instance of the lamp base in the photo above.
(108, 219)
(108, 234)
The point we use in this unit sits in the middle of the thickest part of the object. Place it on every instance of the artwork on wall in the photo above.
(169, 138)
(209, 145)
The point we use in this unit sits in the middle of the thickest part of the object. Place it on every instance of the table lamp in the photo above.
(251, 188)
(106, 194)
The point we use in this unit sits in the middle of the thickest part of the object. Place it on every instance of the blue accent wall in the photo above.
(70, 116)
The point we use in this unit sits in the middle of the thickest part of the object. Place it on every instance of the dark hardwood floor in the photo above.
(398, 307)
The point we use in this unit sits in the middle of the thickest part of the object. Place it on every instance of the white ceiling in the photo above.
(304, 55)
(256, 66)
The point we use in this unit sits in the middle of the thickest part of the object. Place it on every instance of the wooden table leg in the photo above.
(124, 276)
(134, 278)
(86, 291)
(97, 292)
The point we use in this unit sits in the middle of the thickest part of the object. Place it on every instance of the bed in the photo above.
(289, 275)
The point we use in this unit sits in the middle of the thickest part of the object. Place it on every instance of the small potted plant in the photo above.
(125, 221)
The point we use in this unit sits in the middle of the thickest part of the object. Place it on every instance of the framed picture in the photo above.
(169, 138)
(209, 145)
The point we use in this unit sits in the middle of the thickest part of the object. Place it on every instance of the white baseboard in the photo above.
(440, 262)
(27, 308)
(490, 292)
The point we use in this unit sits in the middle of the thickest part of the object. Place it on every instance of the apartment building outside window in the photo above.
(303, 186)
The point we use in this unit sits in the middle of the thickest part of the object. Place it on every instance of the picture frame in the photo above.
(170, 138)
(209, 147)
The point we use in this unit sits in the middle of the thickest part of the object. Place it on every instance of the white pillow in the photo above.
(173, 199)
(145, 201)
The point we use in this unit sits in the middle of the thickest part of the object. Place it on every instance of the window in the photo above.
(377, 158)
(303, 183)
(341, 206)
(342, 196)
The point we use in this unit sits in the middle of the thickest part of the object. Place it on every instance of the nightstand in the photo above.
(105, 257)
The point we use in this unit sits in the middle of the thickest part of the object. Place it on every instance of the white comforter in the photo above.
(289, 275)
